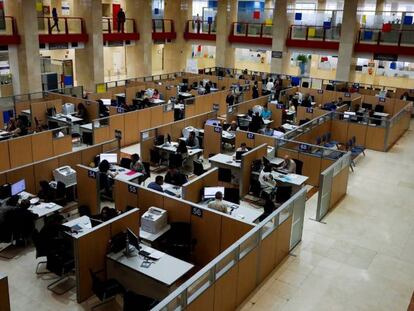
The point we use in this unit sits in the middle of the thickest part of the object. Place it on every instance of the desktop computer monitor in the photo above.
(367, 106)
(112, 158)
(18, 187)
(210, 192)
(5, 191)
(132, 239)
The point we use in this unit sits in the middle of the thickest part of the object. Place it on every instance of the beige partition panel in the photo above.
(246, 166)
(42, 147)
(131, 126)
(26, 173)
(44, 171)
(4, 156)
(339, 131)
(359, 131)
(71, 159)
(247, 275)
(212, 140)
(88, 155)
(20, 151)
(192, 189)
(311, 168)
(4, 294)
(117, 122)
(231, 230)
(87, 187)
(125, 195)
(204, 302)
(62, 145)
(101, 134)
(178, 211)
(339, 186)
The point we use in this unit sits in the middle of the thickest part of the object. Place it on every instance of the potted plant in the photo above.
(302, 59)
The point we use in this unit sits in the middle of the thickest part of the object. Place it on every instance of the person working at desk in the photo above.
(82, 113)
(155, 94)
(242, 148)
(23, 221)
(306, 101)
(105, 173)
(230, 98)
(21, 129)
(157, 184)
(233, 127)
(182, 148)
(11, 125)
(174, 177)
(288, 165)
(267, 183)
(103, 110)
(136, 164)
(266, 113)
(256, 123)
(192, 141)
(255, 90)
(207, 88)
(218, 203)
(268, 131)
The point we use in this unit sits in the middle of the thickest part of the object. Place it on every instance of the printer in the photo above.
(154, 220)
(65, 174)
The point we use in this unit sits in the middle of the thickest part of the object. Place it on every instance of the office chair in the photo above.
(330, 87)
(232, 195)
(318, 140)
(134, 302)
(358, 147)
(45, 192)
(61, 263)
(224, 174)
(175, 160)
(283, 193)
(125, 163)
(155, 158)
(60, 194)
(255, 188)
(84, 210)
(178, 241)
(299, 166)
(105, 290)
(200, 142)
(41, 250)
(198, 168)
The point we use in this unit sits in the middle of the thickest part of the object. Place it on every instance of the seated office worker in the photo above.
(174, 177)
(157, 184)
(243, 147)
(136, 164)
(192, 141)
(267, 183)
(230, 98)
(266, 113)
(288, 165)
(232, 127)
(105, 173)
(306, 101)
(256, 123)
(218, 203)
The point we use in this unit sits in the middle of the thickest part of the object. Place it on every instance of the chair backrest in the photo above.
(154, 156)
(125, 163)
(328, 136)
(224, 174)
(60, 189)
(147, 168)
(200, 141)
(176, 160)
(198, 168)
(299, 166)
(283, 193)
(305, 84)
(318, 140)
(353, 140)
(97, 284)
(84, 210)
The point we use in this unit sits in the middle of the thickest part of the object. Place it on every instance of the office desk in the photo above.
(293, 179)
(156, 101)
(83, 222)
(173, 190)
(289, 127)
(86, 128)
(276, 161)
(224, 161)
(5, 135)
(41, 209)
(64, 119)
(172, 148)
(242, 212)
(156, 281)
(123, 174)
(151, 237)
(185, 94)
(122, 95)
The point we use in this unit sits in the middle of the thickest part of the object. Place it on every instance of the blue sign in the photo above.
(250, 135)
(326, 25)
(196, 211)
(132, 189)
(408, 20)
(210, 20)
(368, 35)
(309, 110)
(156, 11)
(298, 16)
(92, 174)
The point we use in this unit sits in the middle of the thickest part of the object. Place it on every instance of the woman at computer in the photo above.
(192, 141)
(155, 95)
(266, 180)
(182, 148)
(105, 182)
(82, 113)
(136, 164)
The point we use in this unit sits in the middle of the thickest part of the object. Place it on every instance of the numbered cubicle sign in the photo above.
(309, 110)
(347, 94)
(132, 189)
(382, 99)
(118, 134)
(119, 110)
(217, 129)
(277, 54)
(280, 106)
(196, 211)
(320, 91)
(250, 135)
(92, 174)
(216, 107)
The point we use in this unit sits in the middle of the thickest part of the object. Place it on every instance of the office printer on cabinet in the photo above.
(154, 220)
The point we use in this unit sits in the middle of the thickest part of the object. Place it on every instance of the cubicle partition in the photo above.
(229, 279)
(244, 107)
(333, 185)
(253, 140)
(212, 140)
(256, 153)
(19, 151)
(175, 129)
(192, 190)
(4, 293)
(91, 106)
(204, 103)
(91, 247)
(35, 172)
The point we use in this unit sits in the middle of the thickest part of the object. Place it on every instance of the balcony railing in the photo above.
(65, 29)
(114, 32)
(163, 29)
(309, 36)
(200, 30)
(251, 33)
(9, 34)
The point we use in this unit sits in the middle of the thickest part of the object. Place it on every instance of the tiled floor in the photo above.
(361, 259)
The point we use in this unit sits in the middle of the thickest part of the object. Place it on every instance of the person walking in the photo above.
(55, 20)
(121, 20)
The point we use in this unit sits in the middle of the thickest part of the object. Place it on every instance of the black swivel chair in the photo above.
(178, 241)
(283, 193)
(45, 192)
(198, 168)
(299, 166)
(155, 157)
(84, 210)
(41, 249)
(125, 163)
(147, 174)
(61, 263)
(175, 160)
(105, 290)
(60, 194)
(135, 302)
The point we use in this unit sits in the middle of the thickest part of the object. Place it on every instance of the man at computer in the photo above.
(174, 177)
(157, 184)
(192, 141)
(218, 203)
(267, 183)
(242, 148)
(288, 165)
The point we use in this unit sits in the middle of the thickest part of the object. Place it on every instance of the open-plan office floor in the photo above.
(361, 259)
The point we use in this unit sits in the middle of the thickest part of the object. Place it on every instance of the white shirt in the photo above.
(269, 86)
(266, 180)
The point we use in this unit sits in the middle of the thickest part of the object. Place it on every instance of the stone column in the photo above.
(24, 58)
(280, 31)
(321, 4)
(379, 7)
(225, 18)
(177, 51)
(90, 59)
(346, 45)
(139, 56)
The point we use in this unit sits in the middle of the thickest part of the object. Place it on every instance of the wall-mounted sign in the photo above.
(59, 46)
(277, 54)
(118, 134)
(196, 211)
(132, 189)
(216, 107)
(92, 174)
(65, 8)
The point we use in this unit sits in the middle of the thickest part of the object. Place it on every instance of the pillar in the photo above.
(321, 5)
(177, 51)
(139, 56)
(280, 31)
(90, 60)
(346, 45)
(226, 16)
(24, 58)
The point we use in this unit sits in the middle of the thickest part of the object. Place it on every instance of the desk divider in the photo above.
(90, 249)
(192, 189)
(39, 110)
(88, 188)
(277, 115)
(246, 166)
(212, 140)
(91, 106)
(4, 156)
(244, 107)
(4, 293)
(253, 140)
